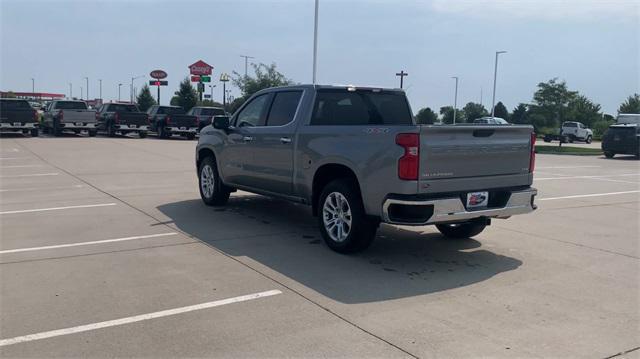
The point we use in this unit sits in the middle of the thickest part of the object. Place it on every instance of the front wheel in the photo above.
(608, 154)
(343, 222)
(461, 230)
(212, 191)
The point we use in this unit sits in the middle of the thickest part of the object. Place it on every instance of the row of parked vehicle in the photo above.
(59, 116)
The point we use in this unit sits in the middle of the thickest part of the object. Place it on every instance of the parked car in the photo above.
(17, 116)
(169, 120)
(205, 114)
(356, 156)
(122, 118)
(69, 115)
(490, 121)
(621, 139)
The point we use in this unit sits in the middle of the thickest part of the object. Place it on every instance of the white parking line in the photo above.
(588, 195)
(21, 166)
(87, 243)
(556, 167)
(12, 158)
(136, 318)
(58, 208)
(587, 177)
(39, 188)
(32, 175)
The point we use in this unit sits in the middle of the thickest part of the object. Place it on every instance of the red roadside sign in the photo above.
(200, 68)
(195, 78)
(158, 74)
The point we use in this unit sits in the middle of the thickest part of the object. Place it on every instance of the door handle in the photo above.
(247, 138)
(285, 140)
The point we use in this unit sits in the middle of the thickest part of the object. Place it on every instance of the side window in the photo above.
(253, 113)
(283, 108)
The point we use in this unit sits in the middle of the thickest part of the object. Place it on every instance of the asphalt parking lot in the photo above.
(107, 250)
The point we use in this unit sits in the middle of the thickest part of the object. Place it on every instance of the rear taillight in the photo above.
(60, 114)
(116, 118)
(532, 160)
(168, 120)
(409, 163)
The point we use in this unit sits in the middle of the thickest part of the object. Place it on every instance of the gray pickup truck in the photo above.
(358, 158)
(69, 115)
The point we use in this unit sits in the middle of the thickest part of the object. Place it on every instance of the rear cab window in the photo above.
(342, 107)
(12, 105)
(70, 105)
(211, 112)
(170, 111)
(121, 108)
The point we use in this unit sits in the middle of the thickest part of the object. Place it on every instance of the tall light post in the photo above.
(86, 78)
(315, 41)
(70, 90)
(33, 87)
(455, 99)
(100, 80)
(81, 93)
(133, 78)
(224, 78)
(119, 85)
(246, 63)
(495, 76)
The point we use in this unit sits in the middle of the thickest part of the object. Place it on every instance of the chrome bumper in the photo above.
(453, 210)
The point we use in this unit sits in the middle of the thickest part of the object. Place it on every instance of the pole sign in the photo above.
(205, 78)
(158, 83)
(158, 74)
(195, 78)
(200, 68)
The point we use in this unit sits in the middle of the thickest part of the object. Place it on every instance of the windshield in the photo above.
(170, 111)
(361, 107)
(70, 105)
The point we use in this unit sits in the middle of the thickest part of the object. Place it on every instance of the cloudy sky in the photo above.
(593, 45)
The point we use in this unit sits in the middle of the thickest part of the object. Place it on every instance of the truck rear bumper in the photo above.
(77, 126)
(132, 127)
(417, 212)
(182, 130)
(12, 127)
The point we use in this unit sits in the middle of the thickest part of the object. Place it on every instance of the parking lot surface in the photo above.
(107, 250)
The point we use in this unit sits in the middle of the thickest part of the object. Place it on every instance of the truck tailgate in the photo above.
(183, 121)
(133, 118)
(18, 116)
(463, 154)
(87, 116)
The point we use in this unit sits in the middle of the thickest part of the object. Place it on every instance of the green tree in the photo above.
(426, 116)
(265, 76)
(447, 115)
(209, 103)
(501, 111)
(144, 99)
(630, 105)
(186, 96)
(581, 109)
(550, 103)
(520, 114)
(473, 111)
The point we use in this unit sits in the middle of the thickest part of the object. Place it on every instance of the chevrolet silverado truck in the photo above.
(169, 120)
(356, 156)
(17, 116)
(205, 115)
(123, 118)
(68, 115)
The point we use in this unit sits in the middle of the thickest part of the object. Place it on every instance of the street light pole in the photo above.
(81, 93)
(86, 78)
(224, 78)
(119, 85)
(495, 76)
(246, 63)
(455, 100)
(100, 80)
(402, 74)
(70, 90)
(33, 87)
(315, 42)
(132, 79)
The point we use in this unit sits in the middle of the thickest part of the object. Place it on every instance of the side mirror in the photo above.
(221, 122)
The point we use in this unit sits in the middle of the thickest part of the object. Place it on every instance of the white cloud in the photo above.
(558, 10)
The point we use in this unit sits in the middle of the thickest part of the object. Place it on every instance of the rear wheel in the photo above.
(589, 139)
(608, 154)
(461, 230)
(212, 191)
(142, 134)
(191, 136)
(343, 222)
(34, 132)
(57, 131)
(93, 133)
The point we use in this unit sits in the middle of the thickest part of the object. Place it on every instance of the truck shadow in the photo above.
(283, 237)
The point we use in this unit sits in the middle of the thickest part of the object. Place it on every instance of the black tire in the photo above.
(191, 136)
(162, 133)
(461, 230)
(362, 229)
(588, 140)
(142, 134)
(218, 193)
(608, 154)
(45, 129)
(57, 131)
(111, 131)
(93, 133)
(34, 132)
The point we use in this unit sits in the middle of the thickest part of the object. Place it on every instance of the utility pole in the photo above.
(33, 87)
(100, 80)
(246, 62)
(315, 42)
(402, 74)
(119, 85)
(81, 93)
(455, 100)
(495, 75)
(86, 78)
(70, 90)
(480, 95)
(132, 79)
